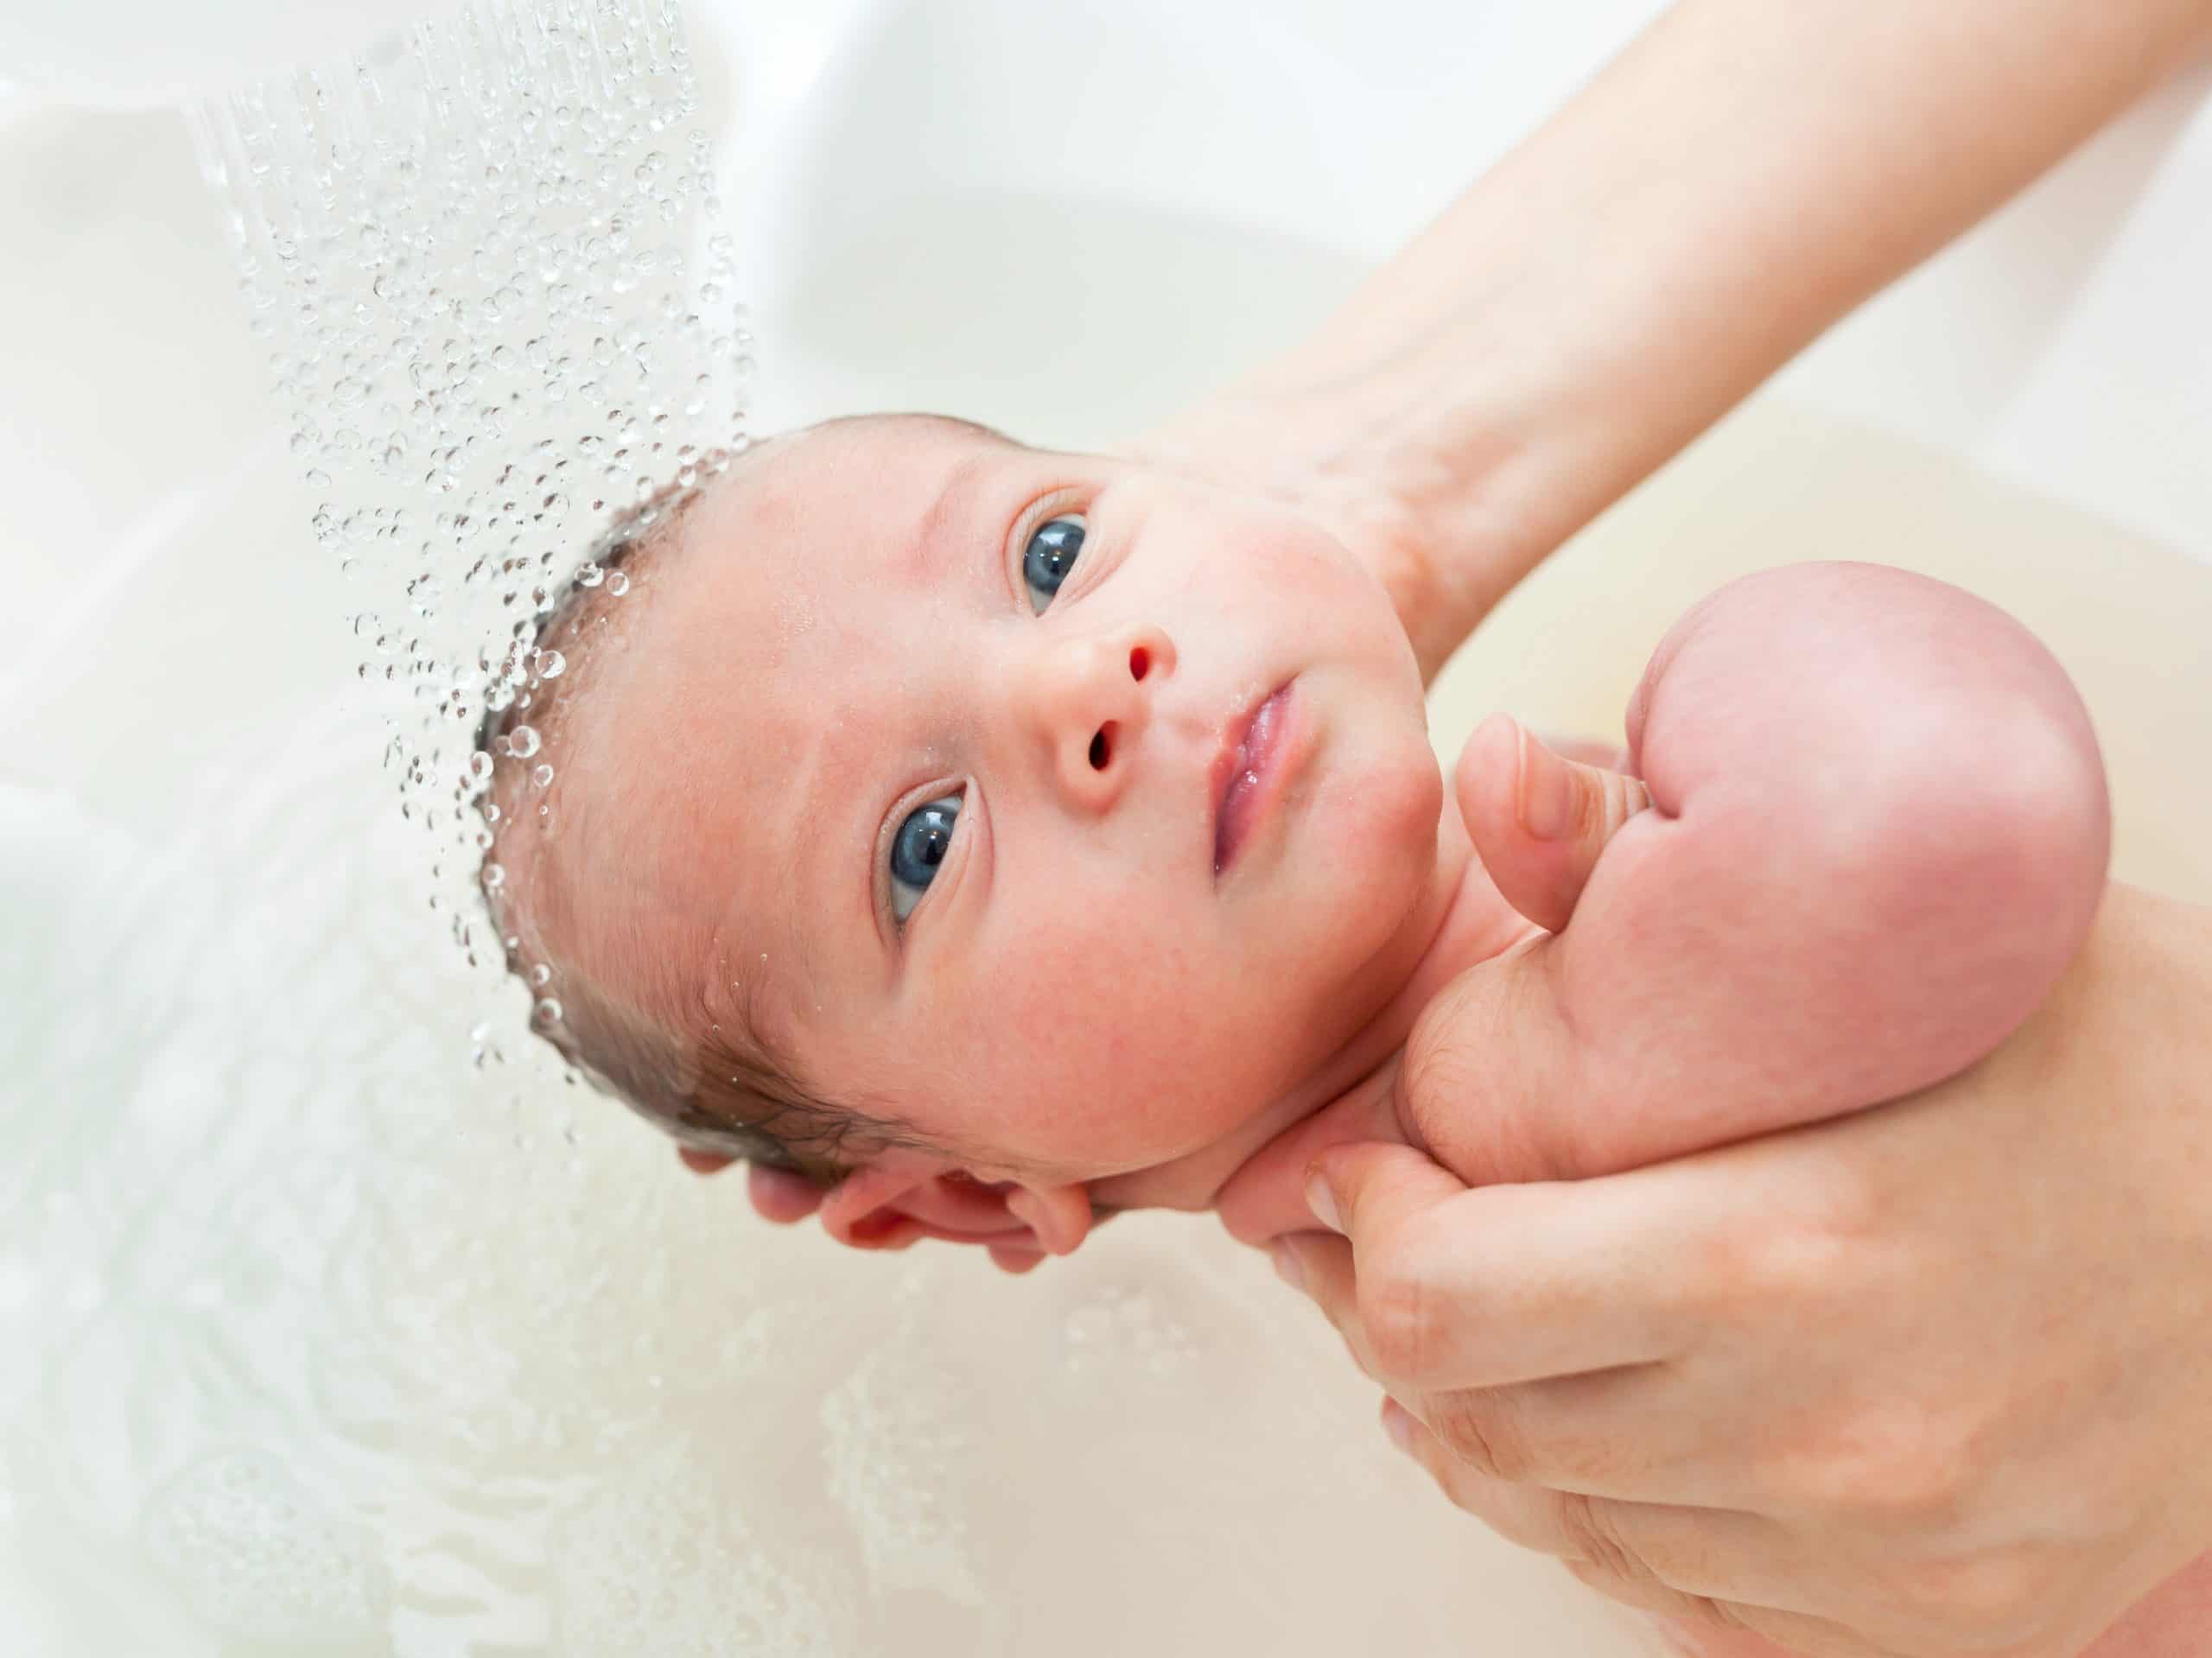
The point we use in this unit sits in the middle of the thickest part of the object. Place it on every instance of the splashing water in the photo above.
(484, 262)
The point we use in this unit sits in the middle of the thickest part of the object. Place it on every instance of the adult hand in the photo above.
(1933, 1378)
(785, 1197)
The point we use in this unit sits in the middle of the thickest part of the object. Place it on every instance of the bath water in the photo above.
(313, 1341)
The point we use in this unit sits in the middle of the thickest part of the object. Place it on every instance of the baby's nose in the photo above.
(1089, 699)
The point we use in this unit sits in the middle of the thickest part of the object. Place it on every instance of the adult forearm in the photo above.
(1738, 179)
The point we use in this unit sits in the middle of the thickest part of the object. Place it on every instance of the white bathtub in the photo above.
(312, 1340)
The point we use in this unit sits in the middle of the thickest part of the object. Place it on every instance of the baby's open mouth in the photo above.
(1245, 767)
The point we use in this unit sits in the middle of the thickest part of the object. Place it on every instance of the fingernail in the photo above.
(1287, 1266)
(1547, 792)
(1398, 1423)
(1323, 1203)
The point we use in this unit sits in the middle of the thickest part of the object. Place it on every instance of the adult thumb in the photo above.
(1367, 1189)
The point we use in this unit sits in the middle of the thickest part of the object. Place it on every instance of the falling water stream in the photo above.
(487, 265)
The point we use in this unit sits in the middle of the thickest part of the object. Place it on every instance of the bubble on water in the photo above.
(894, 1445)
(523, 741)
(542, 776)
(258, 1558)
(740, 1585)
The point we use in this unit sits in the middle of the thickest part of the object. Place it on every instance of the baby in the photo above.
(1005, 838)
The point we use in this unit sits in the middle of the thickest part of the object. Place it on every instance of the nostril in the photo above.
(1102, 747)
(1140, 662)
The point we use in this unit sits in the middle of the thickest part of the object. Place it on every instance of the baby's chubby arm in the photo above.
(1878, 833)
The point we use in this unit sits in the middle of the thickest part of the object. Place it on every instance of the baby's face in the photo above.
(955, 790)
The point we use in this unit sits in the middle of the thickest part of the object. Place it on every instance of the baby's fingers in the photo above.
(780, 1195)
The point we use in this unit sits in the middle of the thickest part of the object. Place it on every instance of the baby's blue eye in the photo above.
(918, 848)
(1049, 557)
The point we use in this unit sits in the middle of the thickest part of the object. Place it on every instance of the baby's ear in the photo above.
(895, 1203)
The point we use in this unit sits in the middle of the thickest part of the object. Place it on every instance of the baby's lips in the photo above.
(1266, 1198)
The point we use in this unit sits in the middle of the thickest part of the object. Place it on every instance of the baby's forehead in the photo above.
(864, 500)
(741, 671)
(889, 451)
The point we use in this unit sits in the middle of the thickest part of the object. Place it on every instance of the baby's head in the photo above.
(886, 837)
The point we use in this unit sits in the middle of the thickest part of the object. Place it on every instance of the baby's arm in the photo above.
(1878, 833)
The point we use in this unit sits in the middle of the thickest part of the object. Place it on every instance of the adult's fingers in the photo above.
(1720, 1552)
(781, 1195)
(1499, 1285)
(1709, 1622)
(1615, 1433)
(778, 1195)
(1267, 1197)
(1699, 1566)
(1014, 1258)
(1539, 820)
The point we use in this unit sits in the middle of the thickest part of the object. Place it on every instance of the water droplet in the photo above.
(479, 767)
(522, 742)
(541, 776)
(541, 975)
(618, 584)
(551, 665)
(548, 1011)
(494, 877)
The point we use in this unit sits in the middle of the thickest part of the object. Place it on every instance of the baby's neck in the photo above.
(1476, 925)
(1470, 923)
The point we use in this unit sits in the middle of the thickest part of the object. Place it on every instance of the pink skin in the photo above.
(1077, 995)
(1880, 835)
(2171, 1622)
(1880, 808)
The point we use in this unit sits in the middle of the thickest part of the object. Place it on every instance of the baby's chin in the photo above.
(1193, 1179)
